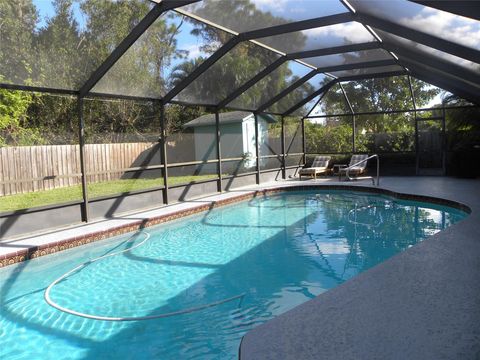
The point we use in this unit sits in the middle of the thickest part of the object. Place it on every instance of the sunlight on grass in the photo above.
(73, 193)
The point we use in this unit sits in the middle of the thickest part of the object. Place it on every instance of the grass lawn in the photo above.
(72, 193)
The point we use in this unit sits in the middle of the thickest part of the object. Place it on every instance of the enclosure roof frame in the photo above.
(454, 78)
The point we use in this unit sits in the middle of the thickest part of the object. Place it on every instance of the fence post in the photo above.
(219, 152)
(163, 152)
(257, 167)
(284, 170)
(81, 141)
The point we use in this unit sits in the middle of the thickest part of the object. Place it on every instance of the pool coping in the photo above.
(29, 251)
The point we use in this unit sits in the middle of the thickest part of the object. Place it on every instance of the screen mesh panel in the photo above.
(300, 93)
(348, 58)
(319, 38)
(227, 74)
(271, 85)
(380, 94)
(241, 16)
(422, 50)
(59, 45)
(367, 71)
(432, 21)
(169, 50)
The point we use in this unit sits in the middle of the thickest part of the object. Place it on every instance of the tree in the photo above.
(18, 19)
(60, 49)
(141, 71)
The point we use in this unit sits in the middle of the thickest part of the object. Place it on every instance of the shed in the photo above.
(237, 134)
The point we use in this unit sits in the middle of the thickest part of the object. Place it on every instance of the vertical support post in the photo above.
(354, 129)
(304, 143)
(353, 117)
(417, 153)
(81, 141)
(412, 94)
(444, 142)
(219, 152)
(257, 152)
(284, 170)
(416, 222)
(163, 152)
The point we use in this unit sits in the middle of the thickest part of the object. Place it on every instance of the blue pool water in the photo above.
(279, 251)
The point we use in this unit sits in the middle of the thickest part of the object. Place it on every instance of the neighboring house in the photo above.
(237, 135)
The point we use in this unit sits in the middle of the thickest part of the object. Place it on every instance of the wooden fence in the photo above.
(33, 168)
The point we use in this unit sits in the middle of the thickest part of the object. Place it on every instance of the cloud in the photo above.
(271, 5)
(446, 25)
(194, 51)
(352, 31)
(335, 248)
(408, 44)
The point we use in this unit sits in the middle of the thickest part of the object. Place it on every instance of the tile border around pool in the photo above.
(54, 247)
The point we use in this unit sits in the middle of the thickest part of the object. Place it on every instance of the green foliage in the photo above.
(13, 117)
(59, 46)
(141, 70)
(462, 119)
(328, 139)
(462, 125)
(115, 121)
(177, 115)
(54, 117)
(374, 133)
(18, 19)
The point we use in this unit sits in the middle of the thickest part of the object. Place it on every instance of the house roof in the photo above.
(227, 118)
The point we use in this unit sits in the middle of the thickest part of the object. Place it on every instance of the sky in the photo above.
(46, 10)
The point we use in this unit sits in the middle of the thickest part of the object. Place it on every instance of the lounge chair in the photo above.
(354, 170)
(319, 166)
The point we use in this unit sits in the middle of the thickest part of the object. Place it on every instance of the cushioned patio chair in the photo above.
(319, 166)
(354, 170)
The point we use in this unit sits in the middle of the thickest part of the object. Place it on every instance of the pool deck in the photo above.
(423, 303)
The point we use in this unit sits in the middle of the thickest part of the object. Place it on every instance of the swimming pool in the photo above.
(268, 255)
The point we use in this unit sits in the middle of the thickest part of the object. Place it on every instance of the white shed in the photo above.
(237, 134)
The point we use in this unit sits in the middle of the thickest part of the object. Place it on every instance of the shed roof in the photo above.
(227, 118)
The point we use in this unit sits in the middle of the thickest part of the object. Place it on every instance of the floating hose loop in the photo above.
(354, 211)
(52, 303)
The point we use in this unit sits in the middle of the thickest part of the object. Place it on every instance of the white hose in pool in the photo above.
(354, 210)
(125, 318)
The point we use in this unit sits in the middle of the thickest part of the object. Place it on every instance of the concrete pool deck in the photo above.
(423, 303)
